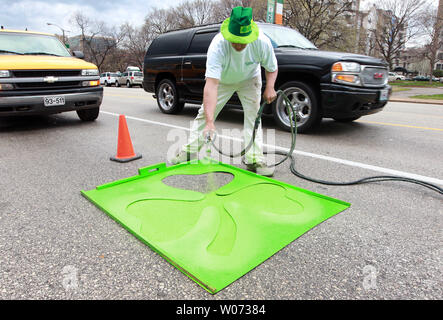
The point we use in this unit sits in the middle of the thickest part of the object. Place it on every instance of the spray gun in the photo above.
(209, 136)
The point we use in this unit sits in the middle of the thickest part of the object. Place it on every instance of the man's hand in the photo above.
(209, 129)
(269, 95)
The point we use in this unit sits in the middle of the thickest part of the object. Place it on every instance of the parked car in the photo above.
(132, 68)
(38, 75)
(108, 78)
(420, 78)
(395, 77)
(130, 78)
(342, 86)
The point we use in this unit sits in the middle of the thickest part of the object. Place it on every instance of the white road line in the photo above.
(306, 154)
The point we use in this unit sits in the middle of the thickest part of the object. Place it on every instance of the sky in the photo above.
(34, 14)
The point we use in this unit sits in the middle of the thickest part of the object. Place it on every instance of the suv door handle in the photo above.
(187, 62)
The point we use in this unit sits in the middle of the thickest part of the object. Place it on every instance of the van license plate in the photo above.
(384, 94)
(54, 101)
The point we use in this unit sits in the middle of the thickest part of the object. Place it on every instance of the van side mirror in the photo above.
(78, 54)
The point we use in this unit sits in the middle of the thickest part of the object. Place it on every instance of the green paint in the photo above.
(217, 237)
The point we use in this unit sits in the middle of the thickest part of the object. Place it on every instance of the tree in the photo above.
(432, 25)
(323, 22)
(194, 13)
(97, 41)
(159, 21)
(135, 42)
(397, 23)
(223, 8)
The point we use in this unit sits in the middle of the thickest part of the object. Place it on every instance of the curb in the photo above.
(422, 101)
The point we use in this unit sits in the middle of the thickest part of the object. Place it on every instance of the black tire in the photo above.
(88, 114)
(168, 97)
(106, 84)
(302, 93)
(350, 119)
(117, 84)
(128, 84)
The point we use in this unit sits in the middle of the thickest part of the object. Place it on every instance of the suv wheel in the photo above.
(128, 84)
(88, 114)
(167, 97)
(106, 84)
(302, 96)
(117, 84)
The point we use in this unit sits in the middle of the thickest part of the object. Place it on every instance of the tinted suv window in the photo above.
(168, 43)
(200, 42)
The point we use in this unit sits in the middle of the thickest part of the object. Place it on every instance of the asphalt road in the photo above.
(55, 244)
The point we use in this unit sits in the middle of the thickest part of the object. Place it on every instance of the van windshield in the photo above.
(31, 44)
(286, 37)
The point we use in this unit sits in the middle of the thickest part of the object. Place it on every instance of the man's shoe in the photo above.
(182, 156)
(261, 168)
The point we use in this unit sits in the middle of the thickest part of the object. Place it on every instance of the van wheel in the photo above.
(88, 114)
(128, 84)
(167, 97)
(302, 96)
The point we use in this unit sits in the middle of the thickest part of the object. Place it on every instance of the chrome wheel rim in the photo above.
(166, 96)
(301, 102)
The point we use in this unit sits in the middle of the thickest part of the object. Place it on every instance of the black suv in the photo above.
(342, 86)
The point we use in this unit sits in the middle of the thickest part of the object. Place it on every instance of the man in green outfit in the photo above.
(233, 65)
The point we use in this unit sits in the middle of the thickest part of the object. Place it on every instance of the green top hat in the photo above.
(240, 28)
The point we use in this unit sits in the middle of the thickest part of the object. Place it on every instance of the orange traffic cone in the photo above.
(125, 151)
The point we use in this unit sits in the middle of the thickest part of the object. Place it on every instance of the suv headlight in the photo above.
(346, 67)
(4, 74)
(346, 73)
(90, 72)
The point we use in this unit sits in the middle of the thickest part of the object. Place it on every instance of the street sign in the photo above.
(271, 11)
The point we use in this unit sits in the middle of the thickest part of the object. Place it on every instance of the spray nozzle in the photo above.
(209, 136)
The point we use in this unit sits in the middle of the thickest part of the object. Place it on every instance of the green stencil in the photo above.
(214, 238)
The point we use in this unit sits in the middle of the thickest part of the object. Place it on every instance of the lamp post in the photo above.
(63, 30)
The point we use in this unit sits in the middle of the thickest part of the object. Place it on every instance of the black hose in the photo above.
(292, 119)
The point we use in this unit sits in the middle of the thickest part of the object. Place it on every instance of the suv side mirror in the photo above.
(78, 54)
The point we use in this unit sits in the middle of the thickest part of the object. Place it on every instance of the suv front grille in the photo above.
(374, 76)
(45, 86)
(45, 73)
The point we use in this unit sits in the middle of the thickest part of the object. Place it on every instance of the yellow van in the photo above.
(38, 75)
